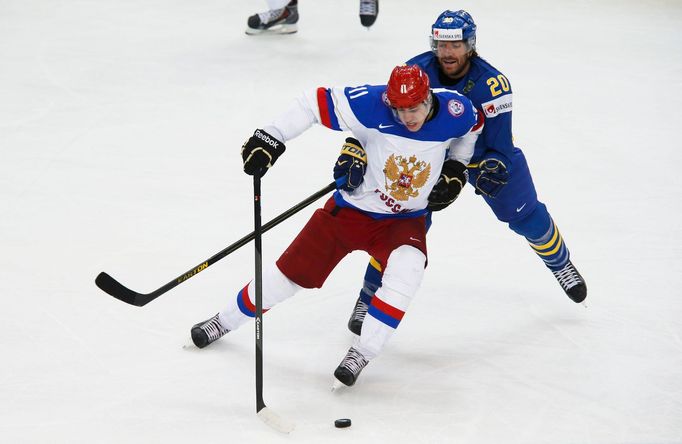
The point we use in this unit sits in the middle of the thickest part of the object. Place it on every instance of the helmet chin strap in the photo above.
(429, 106)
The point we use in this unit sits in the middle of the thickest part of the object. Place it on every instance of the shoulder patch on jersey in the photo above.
(497, 106)
(384, 98)
(469, 86)
(455, 107)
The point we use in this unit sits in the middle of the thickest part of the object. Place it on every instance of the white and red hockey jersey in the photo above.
(402, 166)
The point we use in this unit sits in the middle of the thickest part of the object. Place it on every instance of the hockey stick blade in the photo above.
(275, 421)
(114, 288)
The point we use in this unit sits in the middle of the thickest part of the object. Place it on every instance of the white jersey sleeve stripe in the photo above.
(326, 109)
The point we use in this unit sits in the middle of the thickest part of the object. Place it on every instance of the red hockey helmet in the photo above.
(408, 86)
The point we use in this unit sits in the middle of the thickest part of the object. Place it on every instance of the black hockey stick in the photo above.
(114, 288)
(258, 234)
(267, 415)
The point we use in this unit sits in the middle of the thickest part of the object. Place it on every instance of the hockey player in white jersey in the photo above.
(408, 155)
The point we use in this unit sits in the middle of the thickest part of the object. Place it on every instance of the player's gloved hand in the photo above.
(260, 152)
(349, 170)
(493, 176)
(453, 176)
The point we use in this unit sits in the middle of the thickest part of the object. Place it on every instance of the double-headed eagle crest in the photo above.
(406, 176)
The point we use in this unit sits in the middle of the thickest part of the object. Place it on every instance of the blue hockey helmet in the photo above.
(454, 26)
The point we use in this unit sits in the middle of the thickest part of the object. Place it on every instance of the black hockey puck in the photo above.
(342, 423)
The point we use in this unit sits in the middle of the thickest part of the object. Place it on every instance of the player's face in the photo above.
(413, 118)
(453, 58)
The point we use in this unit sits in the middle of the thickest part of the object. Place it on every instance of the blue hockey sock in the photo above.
(372, 281)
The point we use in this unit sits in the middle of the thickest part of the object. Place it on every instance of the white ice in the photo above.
(120, 128)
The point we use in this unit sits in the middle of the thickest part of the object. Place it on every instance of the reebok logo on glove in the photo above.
(267, 139)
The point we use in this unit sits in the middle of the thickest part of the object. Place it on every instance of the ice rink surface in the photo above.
(120, 128)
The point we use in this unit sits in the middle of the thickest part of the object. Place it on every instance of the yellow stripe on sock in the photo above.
(373, 262)
(553, 250)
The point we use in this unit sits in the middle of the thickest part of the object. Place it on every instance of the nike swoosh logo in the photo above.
(415, 239)
(520, 208)
(382, 126)
(339, 163)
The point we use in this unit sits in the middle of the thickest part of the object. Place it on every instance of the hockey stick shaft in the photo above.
(258, 279)
(268, 416)
(114, 288)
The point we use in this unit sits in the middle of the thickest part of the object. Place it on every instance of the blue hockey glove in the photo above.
(260, 152)
(452, 178)
(493, 176)
(349, 170)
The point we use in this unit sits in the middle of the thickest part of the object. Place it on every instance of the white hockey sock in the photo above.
(403, 275)
(276, 288)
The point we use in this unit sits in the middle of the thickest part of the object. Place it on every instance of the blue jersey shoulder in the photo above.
(485, 82)
(367, 104)
(456, 115)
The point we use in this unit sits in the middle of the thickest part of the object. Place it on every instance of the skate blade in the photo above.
(336, 385)
(275, 30)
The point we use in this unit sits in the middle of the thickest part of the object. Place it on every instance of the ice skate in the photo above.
(207, 332)
(572, 282)
(369, 9)
(274, 21)
(357, 317)
(348, 371)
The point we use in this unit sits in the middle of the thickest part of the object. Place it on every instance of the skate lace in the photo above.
(271, 15)
(568, 276)
(360, 311)
(368, 7)
(214, 329)
(354, 361)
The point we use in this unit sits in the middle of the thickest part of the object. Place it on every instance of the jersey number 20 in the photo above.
(498, 85)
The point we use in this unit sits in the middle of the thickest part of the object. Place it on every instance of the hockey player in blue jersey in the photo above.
(408, 155)
(498, 169)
